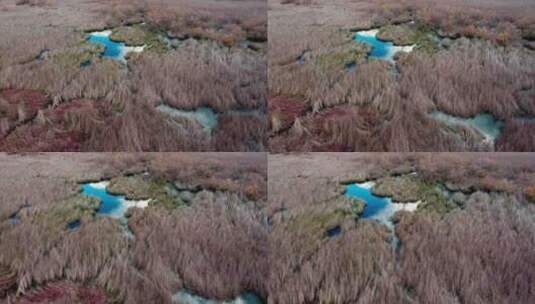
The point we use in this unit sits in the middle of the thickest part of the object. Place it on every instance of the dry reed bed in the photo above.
(471, 77)
(453, 257)
(218, 235)
(118, 112)
(219, 246)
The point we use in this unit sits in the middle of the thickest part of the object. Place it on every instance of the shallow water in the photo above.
(384, 50)
(380, 209)
(113, 49)
(204, 115)
(485, 124)
(14, 219)
(185, 297)
(114, 206)
(73, 225)
(334, 231)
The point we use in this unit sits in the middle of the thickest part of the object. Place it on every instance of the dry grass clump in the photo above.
(356, 266)
(202, 74)
(215, 238)
(482, 254)
(464, 78)
(43, 257)
(469, 79)
(241, 132)
(217, 248)
(83, 125)
(215, 245)
(226, 22)
(517, 136)
(118, 112)
(64, 292)
(502, 23)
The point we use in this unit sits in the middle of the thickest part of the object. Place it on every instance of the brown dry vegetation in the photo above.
(385, 108)
(219, 64)
(479, 252)
(214, 244)
(227, 236)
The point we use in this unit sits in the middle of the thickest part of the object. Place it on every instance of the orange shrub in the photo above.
(530, 193)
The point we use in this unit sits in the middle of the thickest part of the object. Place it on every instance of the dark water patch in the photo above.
(351, 66)
(14, 218)
(74, 225)
(525, 120)
(334, 231)
(43, 55)
(303, 57)
(85, 63)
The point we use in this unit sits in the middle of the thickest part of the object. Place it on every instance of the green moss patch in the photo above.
(343, 56)
(410, 188)
(134, 187)
(74, 57)
(138, 35)
(401, 189)
(315, 223)
(161, 192)
(67, 211)
(408, 34)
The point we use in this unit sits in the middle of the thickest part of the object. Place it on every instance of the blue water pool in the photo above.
(377, 208)
(111, 205)
(112, 49)
(380, 49)
(374, 204)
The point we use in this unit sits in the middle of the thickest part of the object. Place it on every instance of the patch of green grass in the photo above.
(164, 194)
(75, 56)
(343, 56)
(423, 37)
(315, 224)
(138, 35)
(433, 200)
(138, 187)
(134, 187)
(409, 188)
(528, 35)
(405, 188)
(67, 211)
